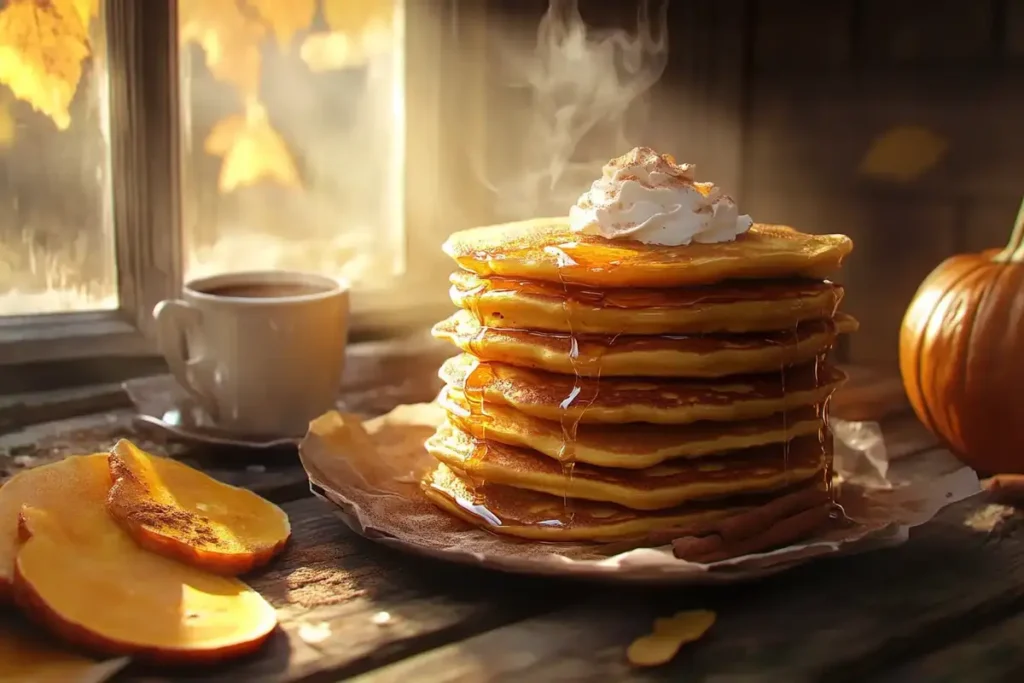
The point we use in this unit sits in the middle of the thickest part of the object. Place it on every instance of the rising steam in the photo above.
(585, 86)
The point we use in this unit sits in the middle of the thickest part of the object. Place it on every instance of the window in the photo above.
(293, 137)
(56, 223)
(204, 136)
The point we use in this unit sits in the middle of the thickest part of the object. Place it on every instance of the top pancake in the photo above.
(546, 249)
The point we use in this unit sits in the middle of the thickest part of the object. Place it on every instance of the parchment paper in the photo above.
(371, 470)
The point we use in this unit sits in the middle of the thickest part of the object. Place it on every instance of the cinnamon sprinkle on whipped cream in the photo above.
(647, 197)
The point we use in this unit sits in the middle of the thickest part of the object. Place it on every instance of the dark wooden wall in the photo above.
(824, 80)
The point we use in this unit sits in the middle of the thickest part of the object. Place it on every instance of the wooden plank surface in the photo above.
(992, 654)
(347, 605)
(836, 620)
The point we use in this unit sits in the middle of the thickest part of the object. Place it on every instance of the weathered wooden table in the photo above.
(948, 605)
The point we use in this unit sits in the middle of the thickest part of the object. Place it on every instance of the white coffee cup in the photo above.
(261, 352)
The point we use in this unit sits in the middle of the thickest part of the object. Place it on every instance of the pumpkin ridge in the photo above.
(929, 416)
(965, 359)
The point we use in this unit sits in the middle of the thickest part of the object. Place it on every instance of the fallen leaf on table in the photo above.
(26, 656)
(669, 634)
(42, 46)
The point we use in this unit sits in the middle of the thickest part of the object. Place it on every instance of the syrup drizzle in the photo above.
(571, 411)
(574, 405)
(569, 418)
(838, 515)
(474, 387)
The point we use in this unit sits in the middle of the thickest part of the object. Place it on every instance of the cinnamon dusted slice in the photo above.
(47, 486)
(172, 509)
(78, 573)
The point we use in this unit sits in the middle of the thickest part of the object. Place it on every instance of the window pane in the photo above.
(292, 125)
(56, 227)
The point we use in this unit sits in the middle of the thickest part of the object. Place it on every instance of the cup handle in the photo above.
(174, 318)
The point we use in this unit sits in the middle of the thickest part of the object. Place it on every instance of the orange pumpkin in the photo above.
(962, 355)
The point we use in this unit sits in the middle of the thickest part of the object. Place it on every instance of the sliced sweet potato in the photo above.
(78, 573)
(172, 509)
(49, 487)
(26, 656)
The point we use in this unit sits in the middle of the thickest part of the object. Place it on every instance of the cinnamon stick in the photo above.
(1006, 488)
(743, 524)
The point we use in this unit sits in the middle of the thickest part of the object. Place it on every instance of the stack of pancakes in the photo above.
(607, 389)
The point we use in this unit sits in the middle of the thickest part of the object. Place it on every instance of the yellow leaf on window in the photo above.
(354, 16)
(42, 46)
(328, 51)
(285, 18)
(251, 150)
(87, 10)
(229, 39)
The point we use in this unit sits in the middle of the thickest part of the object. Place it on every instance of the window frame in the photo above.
(146, 176)
(142, 70)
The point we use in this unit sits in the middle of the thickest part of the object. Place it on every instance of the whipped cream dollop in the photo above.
(646, 196)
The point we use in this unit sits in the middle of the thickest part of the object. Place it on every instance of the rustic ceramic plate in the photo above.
(370, 471)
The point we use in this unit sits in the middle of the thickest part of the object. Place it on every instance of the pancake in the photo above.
(731, 307)
(542, 517)
(664, 401)
(546, 249)
(630, 355)
(629, 446)
(753, 470)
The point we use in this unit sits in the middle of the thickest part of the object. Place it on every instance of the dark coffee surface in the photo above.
(264, 290)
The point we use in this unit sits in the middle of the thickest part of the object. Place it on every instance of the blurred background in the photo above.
(350, 137)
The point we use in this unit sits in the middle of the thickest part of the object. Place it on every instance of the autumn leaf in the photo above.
(251, 150)
(328, 51)
(285, 18)
(668, 635)
(229, 39)
(87, 10)
(42, 46)
(903, 154)
(352, 17)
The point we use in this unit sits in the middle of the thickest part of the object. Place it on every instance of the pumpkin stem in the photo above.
(1014, 250)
